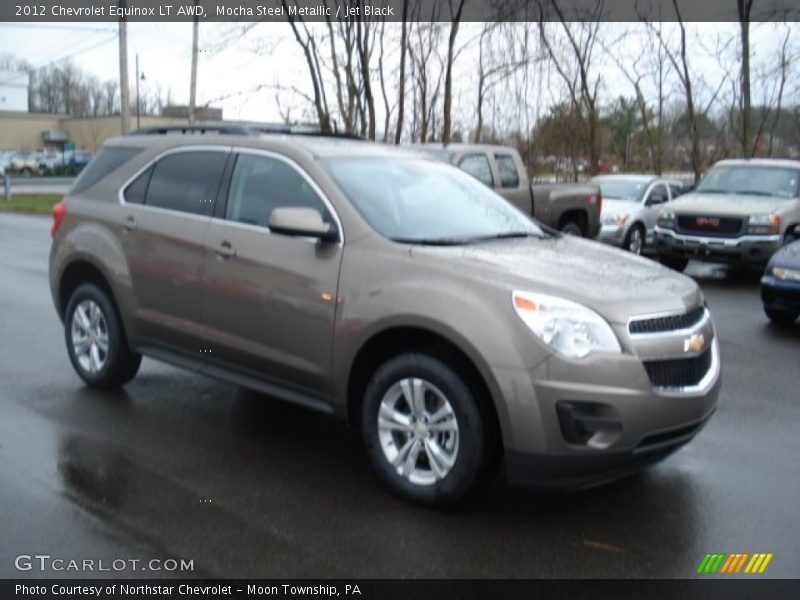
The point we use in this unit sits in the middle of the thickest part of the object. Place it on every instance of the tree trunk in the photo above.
(401, 93)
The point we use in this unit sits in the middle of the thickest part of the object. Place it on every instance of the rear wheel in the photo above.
(781, 317)
(571, 228)
(424, 431)
(634, 241)
(96, 342)
(678, 264)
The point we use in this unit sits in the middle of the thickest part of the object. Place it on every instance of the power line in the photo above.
(69, 55)
(56, 26)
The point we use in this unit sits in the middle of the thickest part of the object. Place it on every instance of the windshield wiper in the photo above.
(711, 191)
(433, 241)
(506, 236)
(754, 193)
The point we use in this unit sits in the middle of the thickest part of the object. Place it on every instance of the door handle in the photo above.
(129, 224)
(225, 250)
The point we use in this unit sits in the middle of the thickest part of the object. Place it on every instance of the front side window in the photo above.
(419, 201)
(261, 184)
(186, 182)
(478, 166)
(135, 193)
(507, 167)
(751, 180)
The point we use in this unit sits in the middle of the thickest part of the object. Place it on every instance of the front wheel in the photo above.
(781, 317)
(634, 241)
(424, 431)
(96, 342)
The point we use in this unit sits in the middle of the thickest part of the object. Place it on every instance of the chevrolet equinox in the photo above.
(454, 333)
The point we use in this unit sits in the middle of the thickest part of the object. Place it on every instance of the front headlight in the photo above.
(765, 223)
(666, 219)
(568, 327)
(786, 274)
(615, 219)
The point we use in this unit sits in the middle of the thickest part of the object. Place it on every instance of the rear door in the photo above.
(271, 298)
(166, 213)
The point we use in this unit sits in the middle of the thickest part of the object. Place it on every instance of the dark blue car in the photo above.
(780, 286)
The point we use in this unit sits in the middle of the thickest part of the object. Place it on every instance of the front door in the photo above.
(271, 298)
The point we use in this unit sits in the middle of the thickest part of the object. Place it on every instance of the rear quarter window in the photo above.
(108, 159)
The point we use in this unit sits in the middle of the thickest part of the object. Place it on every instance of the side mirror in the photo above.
(304, 222)
(656, 198)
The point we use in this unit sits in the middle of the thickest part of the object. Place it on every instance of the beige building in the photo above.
(32, 131)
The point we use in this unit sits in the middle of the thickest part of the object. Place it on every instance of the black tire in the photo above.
(675, 263)
(781, 317)
(119, 363)
(571, 228)
(476, 458)
(631, 237)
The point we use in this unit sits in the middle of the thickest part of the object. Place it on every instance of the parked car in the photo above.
(740, 213)
(630, 208)
(573, 209)
(780, 285)
(392, 290)
(24, 163)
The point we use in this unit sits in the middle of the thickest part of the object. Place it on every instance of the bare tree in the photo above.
(743, 8)
(455, 20)
(401, 92)
(575, 69)
(680, 65)
(308, 43)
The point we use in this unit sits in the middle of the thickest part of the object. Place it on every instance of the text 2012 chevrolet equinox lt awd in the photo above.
(392, 290)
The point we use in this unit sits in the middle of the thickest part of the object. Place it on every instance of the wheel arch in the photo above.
(391, 341)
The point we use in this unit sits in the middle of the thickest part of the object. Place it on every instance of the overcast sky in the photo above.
(234, 70)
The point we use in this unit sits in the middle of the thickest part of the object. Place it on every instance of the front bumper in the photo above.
(576, 423)
(585, 471)
(746, 249)
(611, 234)
(780, 294)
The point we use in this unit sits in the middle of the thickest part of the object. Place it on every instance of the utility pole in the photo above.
(124, 99)
(138, 109)
(193, 84)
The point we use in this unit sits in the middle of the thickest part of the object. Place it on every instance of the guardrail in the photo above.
(35, 185)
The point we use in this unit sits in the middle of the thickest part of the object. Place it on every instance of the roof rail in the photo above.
(194, 129)
(243, 129)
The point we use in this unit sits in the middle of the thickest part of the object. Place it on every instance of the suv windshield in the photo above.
(420, 201)
(621, 189)
(755, 180)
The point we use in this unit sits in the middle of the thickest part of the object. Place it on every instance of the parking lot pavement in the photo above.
(181, 466)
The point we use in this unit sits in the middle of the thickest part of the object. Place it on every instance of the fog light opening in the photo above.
(589, 424)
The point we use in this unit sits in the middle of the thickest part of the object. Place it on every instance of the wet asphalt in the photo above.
(178, 465)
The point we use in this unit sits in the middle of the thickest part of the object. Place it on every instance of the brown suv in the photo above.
(387, 288)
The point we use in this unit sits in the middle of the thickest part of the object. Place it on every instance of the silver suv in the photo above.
(392, 290)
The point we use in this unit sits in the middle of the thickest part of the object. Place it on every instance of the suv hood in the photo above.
(736, 205)
(616, 284)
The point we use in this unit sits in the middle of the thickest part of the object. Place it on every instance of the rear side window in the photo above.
(186, 182)
(107, 159)
(509, 177)
(477, 165)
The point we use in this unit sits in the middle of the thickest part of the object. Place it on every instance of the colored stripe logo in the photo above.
(736, 562)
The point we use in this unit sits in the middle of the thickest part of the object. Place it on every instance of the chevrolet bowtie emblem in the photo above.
(695, 343)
